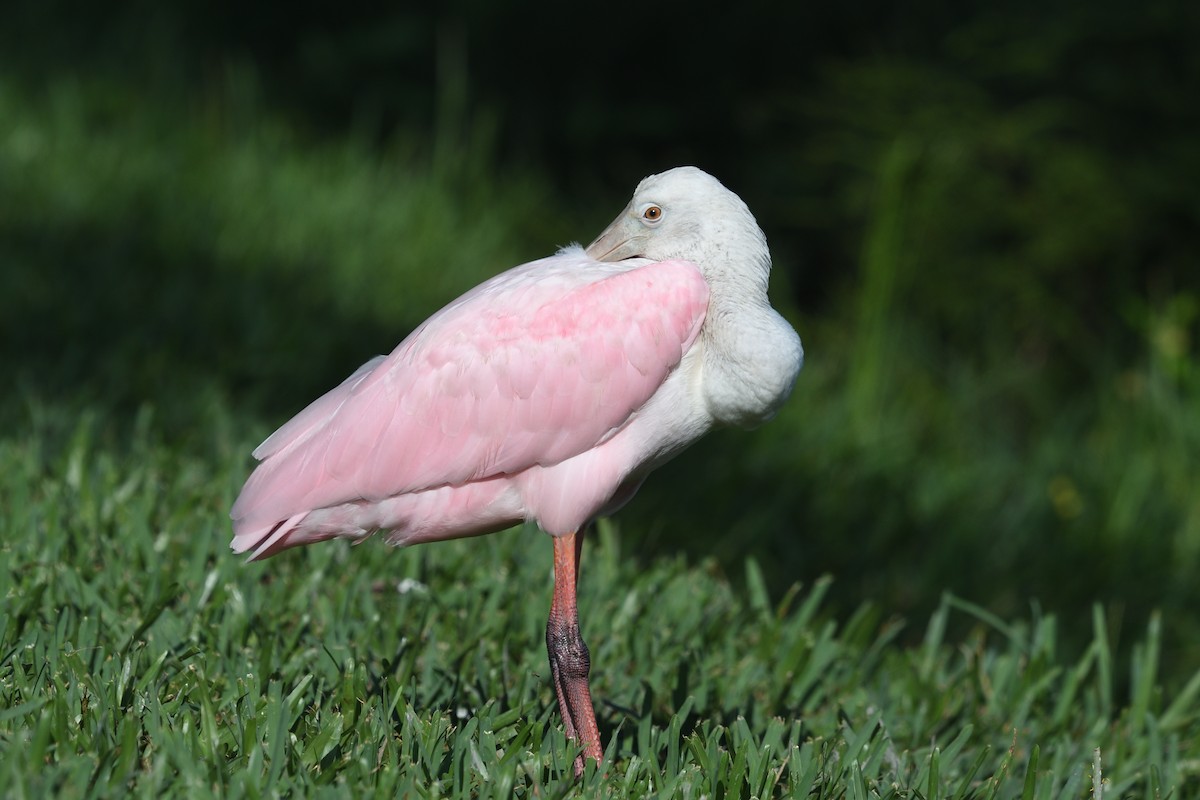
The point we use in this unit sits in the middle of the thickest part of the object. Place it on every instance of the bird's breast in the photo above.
(750, 364)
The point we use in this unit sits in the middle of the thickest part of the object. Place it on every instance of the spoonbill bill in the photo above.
(545, 394)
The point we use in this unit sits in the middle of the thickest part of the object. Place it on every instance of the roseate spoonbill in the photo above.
(547, 393)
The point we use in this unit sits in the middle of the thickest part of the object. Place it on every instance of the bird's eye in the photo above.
(652, 213)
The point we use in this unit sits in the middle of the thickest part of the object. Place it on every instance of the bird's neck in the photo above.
(738, 276)
(751, 354)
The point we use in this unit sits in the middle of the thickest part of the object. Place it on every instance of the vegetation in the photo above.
(140, 659)
(983, 229)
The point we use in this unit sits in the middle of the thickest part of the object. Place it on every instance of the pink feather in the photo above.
(503, 406)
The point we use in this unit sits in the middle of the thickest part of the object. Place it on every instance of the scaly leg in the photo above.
(569, 658)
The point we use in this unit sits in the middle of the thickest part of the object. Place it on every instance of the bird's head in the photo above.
(685, 213)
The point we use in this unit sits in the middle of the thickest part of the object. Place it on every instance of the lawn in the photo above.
(140, 659)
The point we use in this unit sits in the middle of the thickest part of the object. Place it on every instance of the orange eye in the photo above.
(652, 214)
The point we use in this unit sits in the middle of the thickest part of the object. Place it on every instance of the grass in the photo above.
(138, 658)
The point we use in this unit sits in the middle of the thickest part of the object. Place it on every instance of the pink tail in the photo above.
(266, 542)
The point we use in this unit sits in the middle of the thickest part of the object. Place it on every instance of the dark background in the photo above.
(984, 220)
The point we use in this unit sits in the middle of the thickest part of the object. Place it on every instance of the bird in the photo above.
(546, 394)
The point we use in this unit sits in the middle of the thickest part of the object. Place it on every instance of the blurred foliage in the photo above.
(146, 253)
(984, 222)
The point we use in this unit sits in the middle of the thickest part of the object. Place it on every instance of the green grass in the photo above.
(137, 657)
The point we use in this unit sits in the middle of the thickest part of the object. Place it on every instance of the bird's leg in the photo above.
(569, 658)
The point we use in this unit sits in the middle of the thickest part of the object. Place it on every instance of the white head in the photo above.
(685, 213)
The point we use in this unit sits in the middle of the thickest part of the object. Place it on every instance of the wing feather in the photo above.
(537, 365)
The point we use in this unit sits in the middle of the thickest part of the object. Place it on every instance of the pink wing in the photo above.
(536, 365)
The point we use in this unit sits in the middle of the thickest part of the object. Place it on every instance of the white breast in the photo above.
(752, 357)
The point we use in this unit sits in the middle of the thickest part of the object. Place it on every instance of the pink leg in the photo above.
(569, 658)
